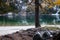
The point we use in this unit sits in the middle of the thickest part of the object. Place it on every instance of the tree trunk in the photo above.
(37, 14)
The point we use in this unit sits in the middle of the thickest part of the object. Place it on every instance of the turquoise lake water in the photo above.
(29, 20)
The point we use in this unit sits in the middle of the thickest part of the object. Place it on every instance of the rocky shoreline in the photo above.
(26, 34)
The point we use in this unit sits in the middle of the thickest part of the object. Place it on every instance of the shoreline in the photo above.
(12, 29)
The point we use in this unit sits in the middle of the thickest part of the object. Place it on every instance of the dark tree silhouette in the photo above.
(37, 13)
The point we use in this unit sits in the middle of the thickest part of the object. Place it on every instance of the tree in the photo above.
(4, 8)
(36, 9)
(37, 13)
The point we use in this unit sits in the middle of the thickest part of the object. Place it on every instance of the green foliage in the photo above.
(4, 8)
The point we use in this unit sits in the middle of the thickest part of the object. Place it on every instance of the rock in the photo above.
(25, 34)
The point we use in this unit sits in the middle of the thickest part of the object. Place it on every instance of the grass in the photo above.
(51, 28)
